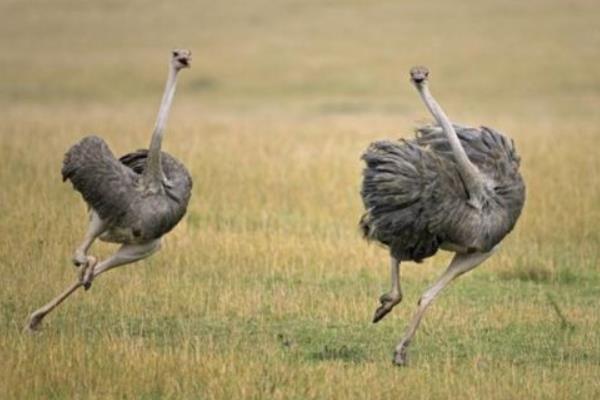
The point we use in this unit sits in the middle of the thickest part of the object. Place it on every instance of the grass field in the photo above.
(266, 290)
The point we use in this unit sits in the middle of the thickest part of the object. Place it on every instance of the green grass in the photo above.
(266, 290)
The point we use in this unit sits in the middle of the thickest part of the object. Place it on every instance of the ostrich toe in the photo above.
(388, 301)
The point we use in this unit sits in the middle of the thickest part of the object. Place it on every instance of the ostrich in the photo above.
(133, 200)
(452, 187)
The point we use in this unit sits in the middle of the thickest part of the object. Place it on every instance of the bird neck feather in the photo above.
(153, 172)
(470, 174)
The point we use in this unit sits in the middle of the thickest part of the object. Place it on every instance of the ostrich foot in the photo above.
(87, 272)
(400, 356)
(388, 301)
(35, 321)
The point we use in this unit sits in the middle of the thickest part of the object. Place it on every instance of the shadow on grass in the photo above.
(310, 342)
(540, 274)
(339, 353)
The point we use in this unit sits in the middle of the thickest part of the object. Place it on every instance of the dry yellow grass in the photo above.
(266, 290)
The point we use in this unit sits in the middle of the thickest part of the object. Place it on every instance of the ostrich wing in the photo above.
(135, 161)
(108, 186)
(496, 157)
(489, 150)
(166, 211)
(179, 180)
(399, 179)
(416, 200)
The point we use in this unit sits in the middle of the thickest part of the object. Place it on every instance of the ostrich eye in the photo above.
(175, 54)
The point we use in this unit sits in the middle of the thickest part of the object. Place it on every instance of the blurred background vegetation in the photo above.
(266, 289)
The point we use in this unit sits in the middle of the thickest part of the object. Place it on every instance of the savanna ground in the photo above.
(266, 289)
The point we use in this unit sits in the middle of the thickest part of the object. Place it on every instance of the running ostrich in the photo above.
(453, 188)
(133, 200)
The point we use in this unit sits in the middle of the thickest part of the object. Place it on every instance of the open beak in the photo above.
(184, 61)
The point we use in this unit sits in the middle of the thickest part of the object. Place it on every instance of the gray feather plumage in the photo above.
(416, 201)
(113, 188)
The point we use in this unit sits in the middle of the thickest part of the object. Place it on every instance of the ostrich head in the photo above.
(419, 74)
(181, 58)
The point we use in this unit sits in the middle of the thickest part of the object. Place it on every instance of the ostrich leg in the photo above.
(127, 254)
(95, 229)
(460, 264)
(35, 319)
(394, 296)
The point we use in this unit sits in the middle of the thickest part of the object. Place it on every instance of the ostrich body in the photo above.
(453, 187)
(133, 200)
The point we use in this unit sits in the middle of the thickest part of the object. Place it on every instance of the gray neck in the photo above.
(468, 171)
(153, 172)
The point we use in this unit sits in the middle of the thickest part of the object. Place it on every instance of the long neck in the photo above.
(153, 171)
(468, 171)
